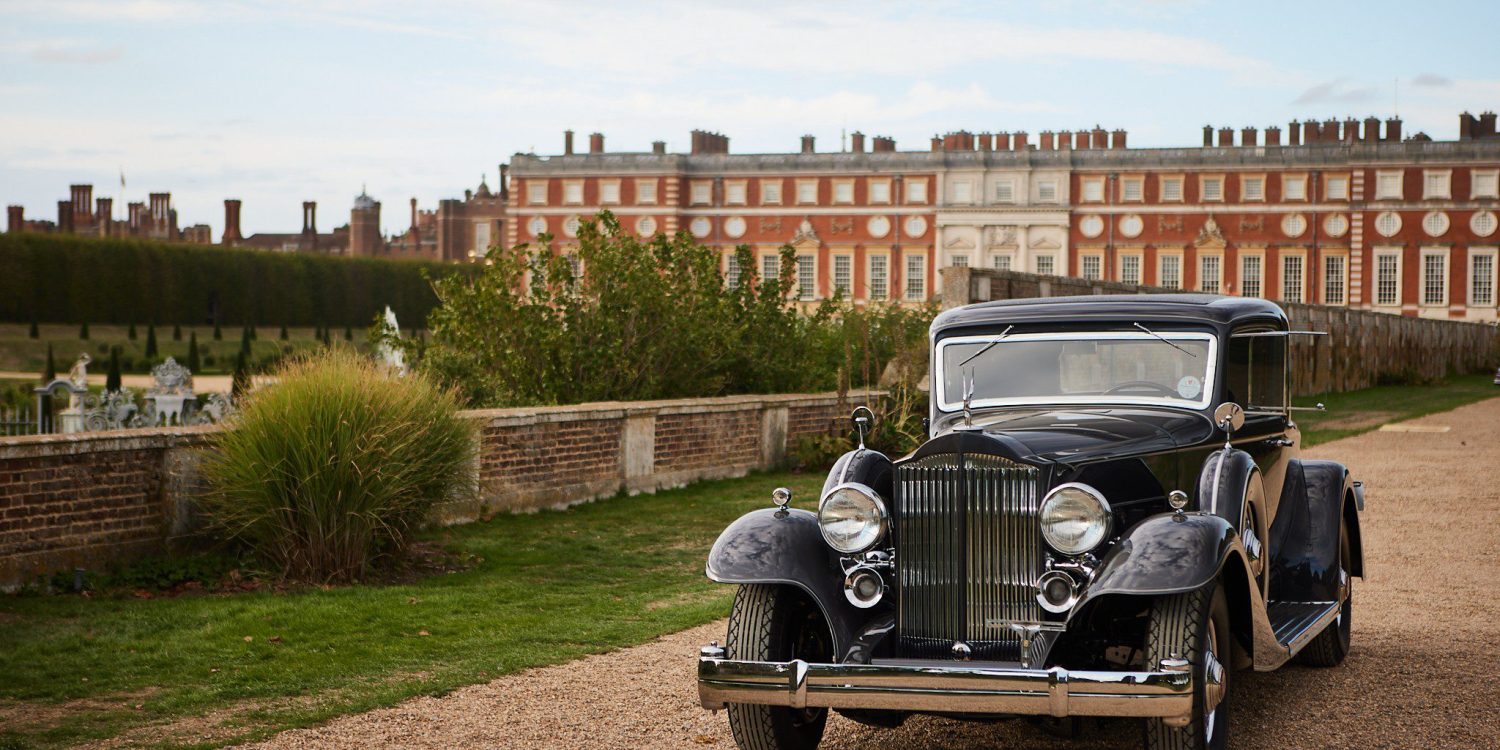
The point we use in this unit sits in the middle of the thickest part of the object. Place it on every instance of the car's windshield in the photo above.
(1116, 367)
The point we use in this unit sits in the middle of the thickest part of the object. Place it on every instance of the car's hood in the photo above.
(1079, 434)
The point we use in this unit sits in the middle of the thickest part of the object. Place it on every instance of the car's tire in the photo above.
(1330, 647)
(1193, 626)
(776, 623)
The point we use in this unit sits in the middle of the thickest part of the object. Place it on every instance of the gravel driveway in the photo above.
(1422, 672)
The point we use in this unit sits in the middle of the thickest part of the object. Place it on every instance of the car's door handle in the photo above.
(1280, 442)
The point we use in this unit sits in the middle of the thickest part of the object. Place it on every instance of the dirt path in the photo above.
(1421, 673)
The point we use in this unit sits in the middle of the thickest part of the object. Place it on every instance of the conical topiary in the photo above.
(239, 384)
(192, 363)
(176, 331)
(218, 332)
(112, 382)
(284, 336)
(131, 333)
(151, 341)
(245, 342)
(83, 331)
(51, 372)
(34, 332)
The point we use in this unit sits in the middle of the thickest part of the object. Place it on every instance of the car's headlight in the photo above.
(852, 517)
(1075, 518)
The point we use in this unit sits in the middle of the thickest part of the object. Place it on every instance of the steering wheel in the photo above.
(1132, 384)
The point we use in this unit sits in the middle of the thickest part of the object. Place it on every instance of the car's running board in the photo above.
(1297, 623)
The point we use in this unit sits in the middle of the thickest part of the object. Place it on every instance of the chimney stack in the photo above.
(82, 197)
(310, 216)
(1047, 140)
(1330, 133)
(65, 217)
(1117, 140)
(807, 144)
(703, 142)
(1393, 130)
(1486, 125)
(413, 213)
(596, 143)
(104, 213)
(232, 221)
(15, 219)
(1351, 130)
(1467, 124)
(986, 142)
(1273, 135)
(1311, 132)
(857, 142)
(1100, 138)
(567, 143)
(937, 143)
(1372, 129)
(504, 181)
(883, 144)
(1064, 140)
(659, 148)
(1208, 136)
(1018, 141)
(1249, 136)
(1002, 141)
(1226, 137)
(1294, 133)
(135, 212)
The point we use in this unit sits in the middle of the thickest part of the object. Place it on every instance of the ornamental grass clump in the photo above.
(336, 465)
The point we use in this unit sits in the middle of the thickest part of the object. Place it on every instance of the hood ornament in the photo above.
(968, 397)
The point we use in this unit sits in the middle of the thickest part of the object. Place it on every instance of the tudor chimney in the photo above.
(937, 143)
(1117, 140)
(65, 217)
(1002, 141)
(232, 221)
(1100, 137)
(1351, 130)
(1208, 136)
(1018, 141)
(15, 219)
(1249, 136)
(807, 144)
(1273, 135)
(1486, 125)
(1226, 137)
(1294, 133)
(883, 144)
(1393, 130)
(310, 217)
(1047, 140)
(1064, 140)
(567, 143)
(1372, 130)
(1311, 133)
(504, 181)
(1330, 132)
(596, 143)
(857, 142)
(104, 214)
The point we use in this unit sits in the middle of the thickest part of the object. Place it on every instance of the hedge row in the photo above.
(69, 279)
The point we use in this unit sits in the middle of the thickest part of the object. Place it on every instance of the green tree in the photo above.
(151, 341)
(348, 333)
(218, 332)
(245, 341)
(239, 382)
(34, 332)
(284, 336)
(176, 331)
(112, 382)
(254, 335)
(50, 374)
(83, 331)
(192, 363)
(131, 333)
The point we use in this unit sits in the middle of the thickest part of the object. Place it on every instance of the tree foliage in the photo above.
(645, 319)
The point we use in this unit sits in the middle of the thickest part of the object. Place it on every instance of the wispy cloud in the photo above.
(1430, 80)
(76, 53)
(1337, 91)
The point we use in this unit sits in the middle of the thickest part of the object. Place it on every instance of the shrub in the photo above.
(151, 341)
(336, 465)
(112, 381)
(193, 362)
(33, 332)
(83, 331)
(131, 333)
(176, 332)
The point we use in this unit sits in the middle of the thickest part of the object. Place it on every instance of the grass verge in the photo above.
(210, 670)
(1354, 412)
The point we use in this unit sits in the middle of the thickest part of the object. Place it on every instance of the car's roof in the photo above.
(1192, 308)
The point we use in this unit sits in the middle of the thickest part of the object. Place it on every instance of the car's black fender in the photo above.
(1228, 482)
(869, 468)
(1166, 554)
(1318, 495)
(786, 547)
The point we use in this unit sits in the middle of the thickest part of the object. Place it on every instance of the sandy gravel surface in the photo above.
(1422, 673)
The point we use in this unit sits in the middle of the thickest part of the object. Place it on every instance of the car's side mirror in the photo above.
(863, 420)
(1229, 417)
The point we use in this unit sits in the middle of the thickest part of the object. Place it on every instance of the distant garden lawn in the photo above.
(544, 588)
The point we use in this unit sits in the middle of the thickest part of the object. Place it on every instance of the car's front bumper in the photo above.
(947, 687)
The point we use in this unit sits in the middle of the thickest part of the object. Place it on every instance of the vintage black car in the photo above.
(1108, 518)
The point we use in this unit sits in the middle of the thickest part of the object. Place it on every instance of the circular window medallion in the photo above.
(1388, 223)
(1293, 225)
(1483, 223)
(916, 226)
(734, 226)
(645, 226)
(537, 226)
(570, 226)
(879, 226)
(1091, 225)
(700, 227)
(1131, 225)
(1435, 223)
(1335, 225)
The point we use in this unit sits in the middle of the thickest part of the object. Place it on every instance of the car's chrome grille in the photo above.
(968, 552)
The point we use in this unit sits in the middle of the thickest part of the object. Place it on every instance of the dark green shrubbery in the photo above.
(336, 465)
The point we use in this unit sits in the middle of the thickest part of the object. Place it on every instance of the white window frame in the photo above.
(916, 190)
(1005, 190)
(878, 190)
(914, 272)
(878, 276)
(1259, 182)
(1422, 282)
(958, 260)
(961, 192)
(732, 270)
(1379, 280)
(1204, 180)
(1489, 176)
(1218, 274)
(1171, 179)
(1133, 189)
(700, 192)
(1002, 261)
(1294, 187)
(1281, 267)
(572, 192)
(1493, 254)
(1259, 275)
(1342, 193)
(1036, 264)
(1161, 269)
(843, 192)
(804, 186)
(1437, 184)
(1047, 185)
(770, 265)
(1390, 184)
(770, 192)
(843, 274)
(736, 192)
(646, 191)
(807, 276)
(1091, 190)
(1091, 259)
(536, 192)
(1138, 260)
(609, 192)
(1343, 278)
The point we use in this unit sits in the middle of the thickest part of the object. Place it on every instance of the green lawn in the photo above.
(21, 353)
(552, 586)
(1354, 412)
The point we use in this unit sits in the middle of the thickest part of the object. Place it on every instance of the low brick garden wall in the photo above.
(92, 499)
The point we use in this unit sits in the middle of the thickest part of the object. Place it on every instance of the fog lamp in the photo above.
(864, 588)
(1056, 592)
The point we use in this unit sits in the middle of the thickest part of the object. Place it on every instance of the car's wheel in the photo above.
(776, 623)
(1332, 645)
(1193, 626)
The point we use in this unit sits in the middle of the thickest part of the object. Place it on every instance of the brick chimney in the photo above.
(1330, 133)
(659, 148)
(1393, 130)
(1208, 136)
(1100, 138)
(104, 213)
(1002, 141)
(504, 181)
(808, 144)
(1486, 125)
(596, 143)
(82, 198)
(1273, 135)
(937, 143)
(15, 219)
(883, 144)
(1372, 129)
(310, 216)
(1018, 141)
(1064, 140)
(857, 142)
(1047, 140)
(986, 141)
(1117, 140)
(1226, 137)
(413, 214)
(135, 213)
(567, 143)
(1311, 132)
(1249, 136)
(1351, 130)
(232, 221)
(65, 216)
(1294, 133)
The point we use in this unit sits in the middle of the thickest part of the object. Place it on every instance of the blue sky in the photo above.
(281, 101)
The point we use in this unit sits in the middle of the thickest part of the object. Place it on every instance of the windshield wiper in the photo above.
(987, 347)
(1164, 340)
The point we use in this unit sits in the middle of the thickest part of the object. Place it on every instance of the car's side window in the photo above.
(1256, 371)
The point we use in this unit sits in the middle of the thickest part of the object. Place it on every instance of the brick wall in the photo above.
(93, 499)
(1362, 348)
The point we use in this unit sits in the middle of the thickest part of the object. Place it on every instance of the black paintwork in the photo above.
(1134, 455)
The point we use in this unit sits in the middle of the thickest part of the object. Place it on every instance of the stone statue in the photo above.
(79, 374)
(390, 354)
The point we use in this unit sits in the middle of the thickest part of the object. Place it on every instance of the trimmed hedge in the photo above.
(70, 279)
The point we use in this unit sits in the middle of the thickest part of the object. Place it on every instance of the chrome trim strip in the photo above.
(946, 687)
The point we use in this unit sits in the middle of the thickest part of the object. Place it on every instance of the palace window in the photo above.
(1171, 271)
(880, 191)
(1130, 269)
(843, 275)
(1294, 187)
(1208, 274)
(1171, 189)
(1333, 279)
(1250, 272)
(1000, 262)
(1091, 266)
(958, 261)
(609, 191)
(1005, 191)
(770, 267)
(702, 192)
(1482, 278)
(961, 191)
(916, 277)
(645, 192)
(1388, 184)
(1253, 188)
(573, 192)
(916, 190)
(1046, 265)
(1437, 184)
(1133, 190)
(536, 192)
(807, 276)
(843, 191)
(879, 277)
(1211, 188)
(1046, 191)
(1485, 183)
(1387, 278)
(735, 193)
(807, 191)
(1336, 187)
(770, 192)
(1093, 190)
(1291, 278)
(732, 270)
(1434, 278)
